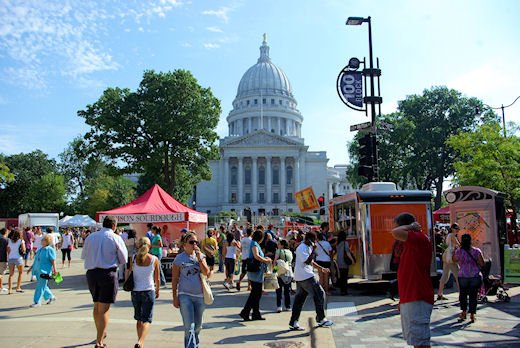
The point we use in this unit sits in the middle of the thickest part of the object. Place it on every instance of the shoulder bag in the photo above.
(253, 265)
(128, 285)
(206, 290)
(348, 257)
(21, 247)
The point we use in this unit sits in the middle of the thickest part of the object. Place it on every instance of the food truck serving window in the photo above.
(345, 217)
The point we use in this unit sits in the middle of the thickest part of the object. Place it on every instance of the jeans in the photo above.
(220, 259)
(163, 279)
(308, 287)
(469, 287)
(42, 289)
(286, 292)
(253, 301)
(192, 309)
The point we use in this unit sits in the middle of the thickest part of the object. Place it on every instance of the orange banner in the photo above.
(306, 200)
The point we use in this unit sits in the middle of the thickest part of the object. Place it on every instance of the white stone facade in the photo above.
(264, 160)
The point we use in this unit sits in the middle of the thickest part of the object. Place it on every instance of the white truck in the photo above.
(43, 220)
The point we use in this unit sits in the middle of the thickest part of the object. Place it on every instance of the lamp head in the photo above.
(356, 20)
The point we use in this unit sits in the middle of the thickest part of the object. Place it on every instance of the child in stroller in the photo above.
(492, 286)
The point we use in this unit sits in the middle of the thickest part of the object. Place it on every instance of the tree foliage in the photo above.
(37, 185)
(486, 158)
(164, 130)
(107, 192)
(414, 153)
(5, 173)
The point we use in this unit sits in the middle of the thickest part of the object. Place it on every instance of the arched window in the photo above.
(276, 175)
(234, 175)
(247, 175)
(289, 175)
(261, 175)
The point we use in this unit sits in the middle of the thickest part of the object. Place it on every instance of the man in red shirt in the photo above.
(414, 283)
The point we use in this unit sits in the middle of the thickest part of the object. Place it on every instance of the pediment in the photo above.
(262, 138)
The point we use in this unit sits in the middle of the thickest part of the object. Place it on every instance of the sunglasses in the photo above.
(193, 242)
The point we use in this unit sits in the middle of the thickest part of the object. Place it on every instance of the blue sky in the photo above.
(58, 56)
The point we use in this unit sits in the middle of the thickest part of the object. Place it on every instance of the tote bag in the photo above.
(206, 290)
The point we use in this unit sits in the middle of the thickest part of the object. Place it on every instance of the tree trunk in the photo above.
(438, 194)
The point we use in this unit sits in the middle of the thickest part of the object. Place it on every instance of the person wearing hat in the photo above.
(270, 231)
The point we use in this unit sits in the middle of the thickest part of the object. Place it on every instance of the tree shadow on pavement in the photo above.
(81, 344)
(269, 336)
(379, 312)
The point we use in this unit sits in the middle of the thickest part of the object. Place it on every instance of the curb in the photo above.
(321, 336)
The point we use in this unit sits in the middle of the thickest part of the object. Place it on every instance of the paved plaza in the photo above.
(361, 320)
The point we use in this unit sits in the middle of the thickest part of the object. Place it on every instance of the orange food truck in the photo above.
(367, 216)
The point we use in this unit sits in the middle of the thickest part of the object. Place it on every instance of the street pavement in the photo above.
(361, 319)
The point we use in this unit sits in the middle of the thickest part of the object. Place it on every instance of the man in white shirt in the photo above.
(102, 252)
(306, 283)
(324, 257)
(245, 245)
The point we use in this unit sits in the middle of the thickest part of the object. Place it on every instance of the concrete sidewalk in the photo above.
(68, 321)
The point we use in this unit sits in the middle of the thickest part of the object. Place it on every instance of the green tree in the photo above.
(5, 174)
(413, 153)
(107, 192)
(33, 172)
(164, 130)
(486, 158)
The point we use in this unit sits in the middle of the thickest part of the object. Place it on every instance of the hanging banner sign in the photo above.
(306, 200)
(350, 87)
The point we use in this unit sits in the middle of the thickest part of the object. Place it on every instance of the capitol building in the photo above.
(264, 159)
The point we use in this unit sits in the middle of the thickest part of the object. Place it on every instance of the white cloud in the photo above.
(62, 38)
(214, 29)
(211, 45)
(186, 44)
(221, 13)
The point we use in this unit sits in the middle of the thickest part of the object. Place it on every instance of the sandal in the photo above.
(472, 318)
(462, 317)
(20, 290)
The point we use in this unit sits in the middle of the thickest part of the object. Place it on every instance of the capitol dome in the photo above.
(264, 76)
(265, 101)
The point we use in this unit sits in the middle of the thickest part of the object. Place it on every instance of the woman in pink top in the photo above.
(470, 261)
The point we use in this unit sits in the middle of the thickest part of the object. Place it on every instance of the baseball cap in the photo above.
(184, 230)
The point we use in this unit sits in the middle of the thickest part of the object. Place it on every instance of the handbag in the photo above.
(253, 265)
(206, 290)
(128, 285)
(271, 280)
(282, 265)
(20, 248)
(346, 253)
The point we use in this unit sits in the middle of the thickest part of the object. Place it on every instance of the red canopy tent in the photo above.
(156, 206)
(442, 215)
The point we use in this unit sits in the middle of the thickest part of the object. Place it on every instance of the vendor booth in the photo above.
(480, 212)
(156, 206)
(78, 221)
(442, 215)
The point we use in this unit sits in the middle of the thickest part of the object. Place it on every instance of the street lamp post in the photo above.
(372, 99)
(503, 113)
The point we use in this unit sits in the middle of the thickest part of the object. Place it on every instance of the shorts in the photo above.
(15, 262)
(326, 264)
(102, 284)
(3, 267)
(415, 321)
(143, 302)
(230, 267)
(210, 260)
(244, 267)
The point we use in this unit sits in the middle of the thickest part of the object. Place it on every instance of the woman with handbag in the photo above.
(470, 260)
(144, 270)
(344, 260)
(188, 294)
(67, 241)
(448, 266)
(43, 266)
(283, 260)
(15, 251)
(256, 268)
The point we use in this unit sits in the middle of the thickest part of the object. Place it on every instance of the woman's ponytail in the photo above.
(143, 246)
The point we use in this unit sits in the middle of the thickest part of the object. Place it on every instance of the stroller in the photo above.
(492, 286)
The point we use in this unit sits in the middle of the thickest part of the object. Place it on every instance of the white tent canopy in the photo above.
(64, 219)
(79, 221)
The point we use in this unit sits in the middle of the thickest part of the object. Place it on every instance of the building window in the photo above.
(272, 130)
(289, 175)
(248, 103)
(276, 176)
(276, 197)
(290, 198)
(261, 175)
(264, 101)
(208, 212)
(248, 175)
(280, 102)
(290, 210)
(256, 101)
(272, 101)
(234, 172)
(261, 197)
(248, 197)
(233, 197)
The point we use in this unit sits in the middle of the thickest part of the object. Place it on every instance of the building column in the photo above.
(250, 123)
(240, 197)
(283, 180)
(297, 178)
(268, 180)
(279, 126)
(254, 180)
(226, 180)
(269, 124)
(301, 172)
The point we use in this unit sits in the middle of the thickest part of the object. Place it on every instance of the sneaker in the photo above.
(288, 309)
(4, 290)
(227, 286)
(33, 278)
(296, 327)
(325, 323)
(441, 297)
(51, 300)
(279, 309)
(34, 305)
